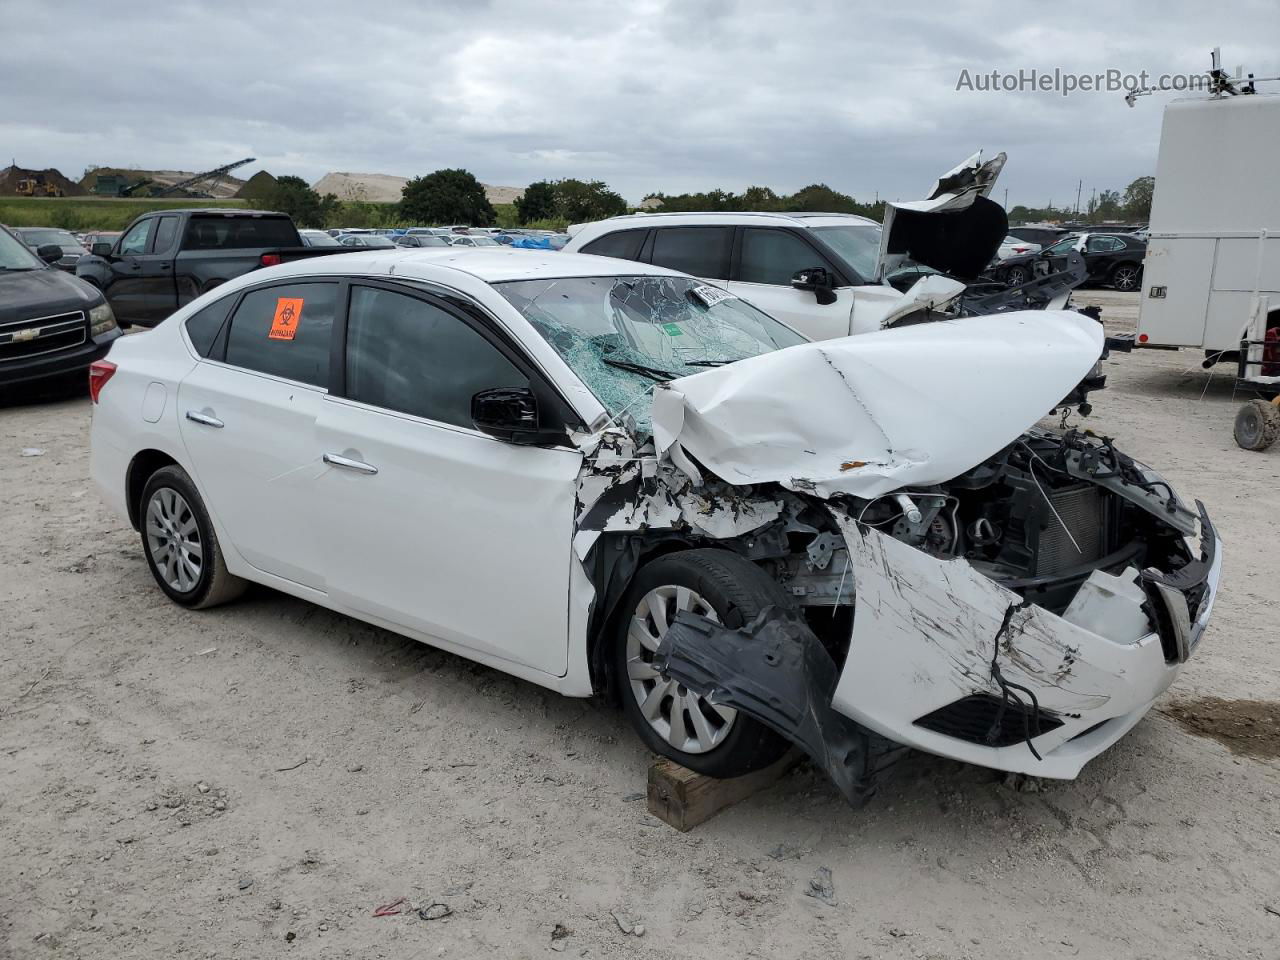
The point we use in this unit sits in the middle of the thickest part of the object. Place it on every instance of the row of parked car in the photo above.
(415, 237)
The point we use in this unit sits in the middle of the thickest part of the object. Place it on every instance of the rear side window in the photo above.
(235, 233)
(775, 256)
(407, 355)
(284, 331)
(203, 325)
(698, 251)
(623, 244)
(166, 230)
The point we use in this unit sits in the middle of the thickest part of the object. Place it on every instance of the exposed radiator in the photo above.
(1081, 511)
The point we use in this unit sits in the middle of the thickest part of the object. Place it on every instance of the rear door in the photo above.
(159, 296)
(248, 418)
(431, 524)
(766, 260)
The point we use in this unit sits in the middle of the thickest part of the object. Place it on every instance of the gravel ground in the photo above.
(254, 781)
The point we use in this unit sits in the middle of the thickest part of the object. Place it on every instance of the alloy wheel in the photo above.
(687, 722)
(1126, 279)
(173, 537)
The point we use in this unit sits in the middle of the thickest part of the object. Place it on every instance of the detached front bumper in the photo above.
(927, 632)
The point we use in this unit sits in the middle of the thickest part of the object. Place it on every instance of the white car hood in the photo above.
(869, 414)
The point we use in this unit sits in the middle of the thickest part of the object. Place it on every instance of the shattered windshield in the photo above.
(621, 335)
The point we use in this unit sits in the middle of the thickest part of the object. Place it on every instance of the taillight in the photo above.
(100, 372)
(270, 260)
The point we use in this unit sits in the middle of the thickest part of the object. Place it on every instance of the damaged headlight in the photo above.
(101, 319)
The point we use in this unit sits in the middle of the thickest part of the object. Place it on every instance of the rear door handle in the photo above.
(204, 418)
(334, 460)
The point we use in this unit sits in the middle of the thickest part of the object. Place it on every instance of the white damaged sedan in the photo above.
(601, 476)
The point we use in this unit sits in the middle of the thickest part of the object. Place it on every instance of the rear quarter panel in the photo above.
(137, 409)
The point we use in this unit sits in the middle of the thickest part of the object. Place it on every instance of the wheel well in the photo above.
(141, 467)
(613, 563)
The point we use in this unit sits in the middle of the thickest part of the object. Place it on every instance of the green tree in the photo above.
(446, 196)
(538, 202)
(1137, 198)
(819, 198)
(293, 196)
(1105, 207)
(578, 201)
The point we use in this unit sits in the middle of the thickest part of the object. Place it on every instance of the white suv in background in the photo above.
(830, 274)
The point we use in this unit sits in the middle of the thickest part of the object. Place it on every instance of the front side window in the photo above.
(1063, 245)
(410, 356)
(284, 331)
(136, 240)
(697, 251)
(857, 244)
(775, 256)
(621, 335)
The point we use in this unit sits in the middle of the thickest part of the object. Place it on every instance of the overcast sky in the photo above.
(647, 96)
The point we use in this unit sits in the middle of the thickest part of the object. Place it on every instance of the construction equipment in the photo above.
(209, 180)
(118, 185)
(37, 186)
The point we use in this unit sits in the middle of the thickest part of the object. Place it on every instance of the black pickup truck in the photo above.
(167, 258)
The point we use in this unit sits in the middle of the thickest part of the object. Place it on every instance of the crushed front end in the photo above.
(1022, 616)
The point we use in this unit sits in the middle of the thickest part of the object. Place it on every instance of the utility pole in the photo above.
(1006, 198)
(1079, 187)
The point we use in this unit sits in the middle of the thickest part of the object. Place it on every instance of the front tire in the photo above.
(1257, 425)
(671, 720)
(180, 545)
(1016, 276)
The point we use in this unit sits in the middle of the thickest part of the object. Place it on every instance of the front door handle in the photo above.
(204, 418)
(334, 460)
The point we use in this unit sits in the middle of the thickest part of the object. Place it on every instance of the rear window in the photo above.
(235, 233)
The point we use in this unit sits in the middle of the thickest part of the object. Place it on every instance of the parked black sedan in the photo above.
(37, 237)
(51, 323)
(1113, 259)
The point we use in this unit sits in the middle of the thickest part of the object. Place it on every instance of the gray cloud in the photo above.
(654, 95)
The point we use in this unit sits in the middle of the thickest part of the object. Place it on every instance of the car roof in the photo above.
(488, 264)
(798, 219)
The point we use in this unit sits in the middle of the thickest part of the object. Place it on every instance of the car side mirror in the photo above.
(817, 279)
(511, 414)
(49, 252)
(101, 249)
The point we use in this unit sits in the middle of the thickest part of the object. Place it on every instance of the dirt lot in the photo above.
(256, 780)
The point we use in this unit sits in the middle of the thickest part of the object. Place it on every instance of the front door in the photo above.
(249, 425)
(429, 523)
(769, 257)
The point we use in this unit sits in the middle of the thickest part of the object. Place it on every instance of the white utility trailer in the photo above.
(1211, 279)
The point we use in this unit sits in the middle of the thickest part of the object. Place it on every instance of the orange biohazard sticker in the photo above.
(284, 325)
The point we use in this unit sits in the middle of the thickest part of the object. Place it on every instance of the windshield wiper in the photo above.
(707, 363)
(654, 372)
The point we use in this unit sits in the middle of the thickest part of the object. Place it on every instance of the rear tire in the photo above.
(1257, 425)
(1126, 277)
(717, 741)
(180, 544)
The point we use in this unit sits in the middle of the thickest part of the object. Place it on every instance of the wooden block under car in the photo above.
(684, 799)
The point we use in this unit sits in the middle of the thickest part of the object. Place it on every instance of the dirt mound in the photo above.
(256, 186)
(384, 188)
(1247, 727)
(10, 177)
